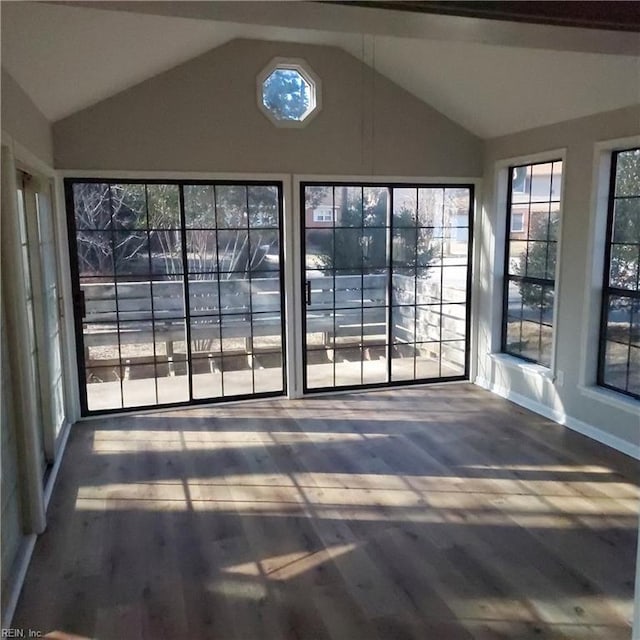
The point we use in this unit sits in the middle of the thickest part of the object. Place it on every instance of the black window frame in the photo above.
(391, 186)
(608, 291)
(508, 278)
(78, 298)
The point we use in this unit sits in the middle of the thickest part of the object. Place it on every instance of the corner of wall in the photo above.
(23, 121)
(560, 395)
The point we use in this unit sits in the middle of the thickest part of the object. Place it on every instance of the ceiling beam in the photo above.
(621, 15)
(376, 20)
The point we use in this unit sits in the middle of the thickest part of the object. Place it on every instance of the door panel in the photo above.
(179, 291)
(34, 301)
(386, 283)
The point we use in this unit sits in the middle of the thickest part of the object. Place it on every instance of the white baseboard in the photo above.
(21, 564)
(51, 480)
(29, 542)
(560, 417)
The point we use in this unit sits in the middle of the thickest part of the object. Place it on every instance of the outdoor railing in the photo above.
(351, 305)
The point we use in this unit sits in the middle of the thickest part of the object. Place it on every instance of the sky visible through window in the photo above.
(287, 94)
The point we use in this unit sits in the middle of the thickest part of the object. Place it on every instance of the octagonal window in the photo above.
(288, 92)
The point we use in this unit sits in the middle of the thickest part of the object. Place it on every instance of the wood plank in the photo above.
(441, 512)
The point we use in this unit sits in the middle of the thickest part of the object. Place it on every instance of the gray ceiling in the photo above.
(490, 76)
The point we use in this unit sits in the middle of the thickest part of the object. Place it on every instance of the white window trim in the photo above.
(610, 397)
(304, 69)
(588, 366)
(478, 226)
(293, 252)
(498, 250)
(524, 366)
(291, 241)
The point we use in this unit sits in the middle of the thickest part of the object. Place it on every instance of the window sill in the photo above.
(527, 368)
(613, 399)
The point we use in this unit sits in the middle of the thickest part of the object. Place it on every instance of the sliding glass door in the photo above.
(178, 291)
(386, 283)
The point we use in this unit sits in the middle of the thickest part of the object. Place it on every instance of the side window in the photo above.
(533, 214)
(619, 349)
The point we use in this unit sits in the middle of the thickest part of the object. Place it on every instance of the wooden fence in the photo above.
(339, 307)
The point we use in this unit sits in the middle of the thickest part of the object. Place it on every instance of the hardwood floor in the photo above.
(427, 513)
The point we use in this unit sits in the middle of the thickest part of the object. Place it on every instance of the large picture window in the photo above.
(619, 353)
(533, 214)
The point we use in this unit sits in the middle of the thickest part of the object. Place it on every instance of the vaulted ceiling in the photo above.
(493, 77)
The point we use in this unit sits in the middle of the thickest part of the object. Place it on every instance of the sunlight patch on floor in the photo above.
(235, 587)
(106, 442)
(274, 497)
(552, 468)
(290, 565)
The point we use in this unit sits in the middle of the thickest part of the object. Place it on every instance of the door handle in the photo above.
(80, 304)
(308, 287)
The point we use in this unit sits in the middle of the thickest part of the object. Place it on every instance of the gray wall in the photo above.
(577, 298)
(23, 121)
(203, 116)
(10, 498)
